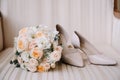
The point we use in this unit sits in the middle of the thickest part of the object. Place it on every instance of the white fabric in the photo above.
(1, 37)
(92, 18)
(61, 72)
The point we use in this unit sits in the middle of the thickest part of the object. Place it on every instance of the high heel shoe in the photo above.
(95, 58)
(70, 55)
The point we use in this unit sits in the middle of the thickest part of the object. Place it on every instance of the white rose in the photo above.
(40, 45)
(32, 68)
(48, 45)
(43, 42)
(34, 29)
(23, 66)
(30, 35)
(25, 56)
(43, 28)
(52, 35)
(33, 62)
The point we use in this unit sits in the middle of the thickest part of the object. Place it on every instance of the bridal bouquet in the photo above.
(37, 49)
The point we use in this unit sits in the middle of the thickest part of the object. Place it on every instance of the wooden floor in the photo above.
(61, 72)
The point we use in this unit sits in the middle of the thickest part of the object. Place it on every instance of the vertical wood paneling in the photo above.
(1, 35)
(91, 18)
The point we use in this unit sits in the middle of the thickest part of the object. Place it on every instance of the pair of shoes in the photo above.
(73, 50)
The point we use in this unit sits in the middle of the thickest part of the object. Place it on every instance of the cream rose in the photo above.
(36, 53)
(32, 68)
(32, 44)
(55, 56)
(39, 34)
(23, 31)
(46, 66)
(22, 44)
(33, 62)
(58, 49)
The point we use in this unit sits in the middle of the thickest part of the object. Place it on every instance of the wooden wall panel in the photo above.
(1, 35)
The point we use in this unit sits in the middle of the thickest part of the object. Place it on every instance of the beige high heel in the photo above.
(93, 55)
(70, 55)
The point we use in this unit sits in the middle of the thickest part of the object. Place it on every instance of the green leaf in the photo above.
(15, 61)
(11, 62)
(17, 53)
(17, 65)
(56, 37)
(37, 26)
